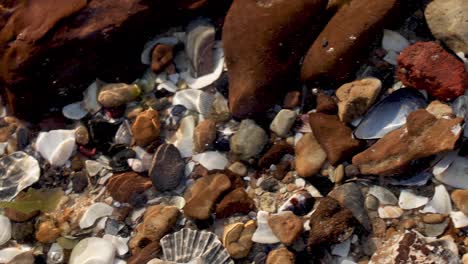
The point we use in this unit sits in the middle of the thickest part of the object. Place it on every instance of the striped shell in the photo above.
(187, 244)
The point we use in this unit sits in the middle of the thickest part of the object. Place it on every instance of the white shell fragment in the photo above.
(55, 254)
(93, 213)
(444, 163)
(459, 219)
(5, 229)
(390, 211)
(183, 139)
(124, 134)
(408, 200)
(194, 100)
(56, 146)
(90, 101)
(263, 234)
(211, 160)
(383, 195)
(7, 254)
(440, 203)
(74, 111)
(120, 243)
(456, 174)
(17, 172)
(93, 250)
(394, 41)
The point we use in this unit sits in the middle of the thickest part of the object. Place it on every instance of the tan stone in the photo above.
(460, 199)
(439, 109)
(47, 232)
(237, 201)
(204, 135)
(280, 256)
(237, 238)
(309, 156)
(286, 226)
(117, 94)
(124, 185)
(146, 128)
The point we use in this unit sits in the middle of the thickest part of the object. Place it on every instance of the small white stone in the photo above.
(313, 191)
(55, 254)
(459, 219)
(5, 229)
(263, 234)
(93, 250)
(136, 165)
(211, 160)
(300, 182)
(56, 146)
(120, 243)
(283, 122)
(93, 213)
(440, 203)
(390, 211)
(408, 200)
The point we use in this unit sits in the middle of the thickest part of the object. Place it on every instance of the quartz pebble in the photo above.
(249, 140)
(283, 122)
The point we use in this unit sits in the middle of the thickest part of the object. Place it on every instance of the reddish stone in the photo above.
(326, 104)
(162, 55)
(274, 154)
(122, 187)
(237, 201)
(426, 65)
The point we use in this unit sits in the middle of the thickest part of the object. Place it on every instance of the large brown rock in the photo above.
(50, 51)
(263, 42)
(237, 201)
(422, 136)
(346, 37)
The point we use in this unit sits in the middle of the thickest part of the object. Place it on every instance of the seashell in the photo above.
(389, 114)
(440, 203)
(210, 78)
(192, 246)
(148, 48)
(456, 174)
(136, 165)
(147, 81)
(124, 134)
(199, 46)
(443, 164)
(389, 211)
(394, 41)
(211, 160)
(301, 203)
(313, 191)
(167, 168)
(94, 168)
(168, 86)
(55, 254)
(408, 200)
(459, 219)
(120, 243)
(17, 172)
(183, 138)
(263, 234)
(74, 111)
(7, 254)
(194, 100)
(93, 250)
(90, 95)
(383, 195)
(56, 146)
(418, 179)
(342, 249)
(93, 213)
(5, 229)
(391, 57)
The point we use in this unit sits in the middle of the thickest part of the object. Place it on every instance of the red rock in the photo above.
(326, 104)
(345, 39)
(263, 42)
(334, 136)
(274, 154)
(161, 56)
(125, 185)
(237, 201)
(426, 65)
(286, 226)
(422, 136)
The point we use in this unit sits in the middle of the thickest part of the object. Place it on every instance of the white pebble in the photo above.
(93, 213)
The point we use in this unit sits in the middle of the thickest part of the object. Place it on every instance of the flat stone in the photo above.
(286, 226)
(122, 187)
(283, 122)
(310, 156)
(281, 256)
(146, 128)
(334, 136)
(237, 201)
(413, 141)
(204, 135)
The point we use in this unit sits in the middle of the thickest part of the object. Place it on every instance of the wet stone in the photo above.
(79, 181)
(167, 168)
(286, 226)
(269, 184)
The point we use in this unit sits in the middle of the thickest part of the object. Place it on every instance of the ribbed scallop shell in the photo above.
(187, 244)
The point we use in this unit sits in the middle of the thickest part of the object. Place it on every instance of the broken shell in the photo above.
(194, 246)
(17, 172)
(183, 138)
(94, 167)
(120, 243)
(8, 254)
(459, 219)
(390, 211)
(195, 100)
(394, 41)
(389, 114)
(93, 213)
(90, 95)
(199, 46)
(455, 174)
(74, 111)
(444, 163)
(301, 203)
(124, 134)
(264, 234)
(5, 229)
(383, 195)
(93, 250)
(211, 160)
(56, 146)
(408, 200)
(440, 203)
(55, 254)
(148, 48)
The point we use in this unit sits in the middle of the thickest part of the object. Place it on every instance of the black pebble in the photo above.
(80, 182)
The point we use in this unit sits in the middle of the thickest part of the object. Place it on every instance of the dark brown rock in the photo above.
(204, 135)
(292, 100)
(334, 136)
(146, 128)
(274, 154)
(237, 201)
(167, 168)
(263, 43)
(145, 254)
(161, 56)
(346, 37)
(122, 187)
(422, 136)
(326, 104)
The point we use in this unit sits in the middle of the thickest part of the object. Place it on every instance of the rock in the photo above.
(23, 232)
(146, 127)
(82, 135)
(411, 247)
(334, 136)
(329, 224)
(167, 168)
(281, 256)
(145, 254)
(19, 171)
(326, 104)
(433, 218)
(447, 21)
(161, 57)
(237, 239)
(56, 146)
(203, 194)
(283, 122)
(238, 168)
(79, 181)
(157, 222)
(275, 154)
(204, 135)
(5, 229)
(355, 98)
(310, 156)
(259, 69)
(460, 199)
(8, 126)
(300, 203)
(249, 140)
(236, 202)
(413, 141)
(427, 66)
(269, 184)
(345, 38)
(439, 109)
(47, 232)
(93, 249)
(349, 195)
(122, 187)
(117, 94)
(292, 100)
(286, 226)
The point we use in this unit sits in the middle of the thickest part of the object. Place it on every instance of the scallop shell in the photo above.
(188, 245)
(5, 229)
(17, 172)
(211, 160)
(440, 203)
(408, 200)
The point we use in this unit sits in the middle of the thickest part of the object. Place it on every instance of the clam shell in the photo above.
(93, 213)
(183, 138)
(440, 202)
(383, 195)
(456, 174)
(74, 111)
(211, 160)
(17, 172)
(187, 245)
(5, 229)
(93, 250)
(199, 46)
(263, 234)
(194, 100)
(408, 200)
(389, 114)
(56, 146)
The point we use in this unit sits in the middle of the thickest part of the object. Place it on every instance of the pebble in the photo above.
(167, 168)
(349, 195)
(79, 181)
(117, 94)
(47, 232)
(93, 250)
(459, 219)
(326, 104)
(283, 122)
(280, 256)
(237, 238)
(125, 186)
(82, 135)
(204, 135)
(161, 56)
(146, 127)
(56, 146)
(275, 154)
(211, 160)
(460, 199)
(249, 140)
(238, 168)
(440, 202)
(236, 202)
(433, 218)
(310, 156)
(286, 226)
